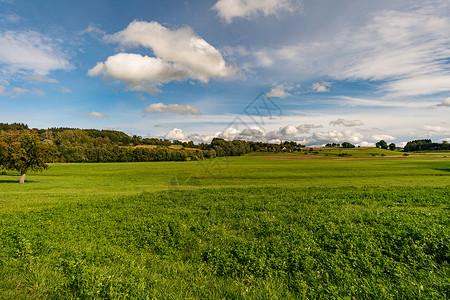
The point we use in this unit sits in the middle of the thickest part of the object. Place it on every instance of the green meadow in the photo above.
(370, 224)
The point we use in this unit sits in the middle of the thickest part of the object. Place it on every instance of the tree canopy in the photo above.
(23, 152)
(382, 144)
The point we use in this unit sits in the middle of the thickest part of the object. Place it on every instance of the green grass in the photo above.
(239, 228)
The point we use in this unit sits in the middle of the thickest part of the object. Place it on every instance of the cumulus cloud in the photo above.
(199, 138)
(95, 114)
(445, 103)
(337, 136)
(256, 133)
(278, 92)
(141, 73)
(306, 128)
(249, 9)
(180, 55)
(65, 90)
(160, 108)
(320, 87)
(2, 90)
(176, 134)
(229, 133)
(289, 130)
(346, 123)
(379, 137)
(30, 53)
(435, 130)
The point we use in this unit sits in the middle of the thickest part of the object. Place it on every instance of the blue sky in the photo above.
(310, 71)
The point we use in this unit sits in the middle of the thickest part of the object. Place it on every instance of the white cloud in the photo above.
(94, 30)
(39, 92)
(176, 134)
(141, 73)
(2, 90)
(65, 90)
(16, 92)
(346, 123)
(249, 9)
(230, 133)
(30, 53)
(180, 55)
(199, 138)
(351, 101)
(445, 103)
(366, 144)
(435, 130)
(337, 136)
(9, 18)
(407, 51)
(306, 128)
(256, 133)
(252, 133)
(40, 78)
(161, 108)
(278, 92)
(263, 58)
(140, 96)
(379, 137)
(320, 87)
(95, 114)
(289, 130)
(19, 91)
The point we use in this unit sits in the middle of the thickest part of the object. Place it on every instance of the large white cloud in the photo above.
(160, 108)
(30, 53)
(289, 130)
(248, 9)
(176, 134)
(141, 73)
(180, 54)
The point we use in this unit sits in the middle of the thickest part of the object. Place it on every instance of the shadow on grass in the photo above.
(445, 170)
(15, 181)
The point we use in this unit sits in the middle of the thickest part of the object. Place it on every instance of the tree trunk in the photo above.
(22, 178)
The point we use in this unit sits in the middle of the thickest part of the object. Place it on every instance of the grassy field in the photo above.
(305, 225)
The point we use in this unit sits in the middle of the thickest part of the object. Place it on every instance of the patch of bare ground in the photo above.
(379, 158)
(290, 157)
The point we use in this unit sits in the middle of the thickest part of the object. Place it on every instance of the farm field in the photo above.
(304, 226)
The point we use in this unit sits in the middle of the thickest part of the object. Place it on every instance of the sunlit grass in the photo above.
(241, 228)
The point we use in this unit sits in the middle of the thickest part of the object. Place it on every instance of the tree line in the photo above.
(425, 145)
